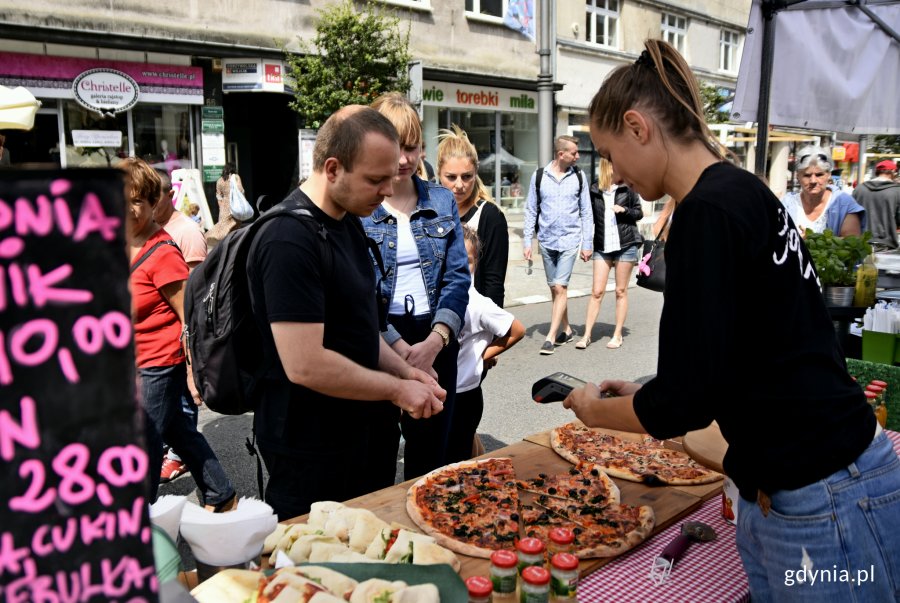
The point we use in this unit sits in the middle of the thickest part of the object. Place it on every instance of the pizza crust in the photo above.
(415, 513)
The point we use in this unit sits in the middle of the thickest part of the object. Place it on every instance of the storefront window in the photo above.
(517, 157)
(93, 140)
(162, 136)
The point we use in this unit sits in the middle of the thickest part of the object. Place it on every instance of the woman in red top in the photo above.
(158, 277)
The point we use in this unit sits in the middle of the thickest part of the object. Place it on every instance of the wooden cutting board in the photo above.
(707, 446)
(529, 459)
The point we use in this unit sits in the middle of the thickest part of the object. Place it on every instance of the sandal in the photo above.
(583, 343)
(615, 343)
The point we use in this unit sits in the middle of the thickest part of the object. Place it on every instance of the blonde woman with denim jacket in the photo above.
(426, 281)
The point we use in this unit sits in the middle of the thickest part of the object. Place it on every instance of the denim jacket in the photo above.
(442, 254)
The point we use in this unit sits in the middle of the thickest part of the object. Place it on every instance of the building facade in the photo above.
(209, 87)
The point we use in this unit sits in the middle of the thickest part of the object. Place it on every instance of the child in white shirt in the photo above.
(489, 330)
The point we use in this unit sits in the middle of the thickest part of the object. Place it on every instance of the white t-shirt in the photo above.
(409, 274)
(485, 321)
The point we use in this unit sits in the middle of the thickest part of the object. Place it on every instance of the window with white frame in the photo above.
(674, 30)
(486, 8)
(728, 50)
(602, 22)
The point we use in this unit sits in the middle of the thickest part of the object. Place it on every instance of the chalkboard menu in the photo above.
(73, 503)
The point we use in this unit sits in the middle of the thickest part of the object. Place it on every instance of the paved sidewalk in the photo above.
(523, 288)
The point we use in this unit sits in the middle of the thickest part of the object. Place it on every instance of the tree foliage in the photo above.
(354, 57)
(884, 143)
(714, 98)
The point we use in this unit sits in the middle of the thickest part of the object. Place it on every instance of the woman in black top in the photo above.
(617, 243)
(458, 171)
(745, 340)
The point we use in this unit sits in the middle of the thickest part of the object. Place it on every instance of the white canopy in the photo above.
(834, 68)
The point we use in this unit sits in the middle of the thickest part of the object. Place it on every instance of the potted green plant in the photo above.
(836, 259)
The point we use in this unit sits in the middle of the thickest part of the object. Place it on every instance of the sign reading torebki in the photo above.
(74, 522)
(105, 90)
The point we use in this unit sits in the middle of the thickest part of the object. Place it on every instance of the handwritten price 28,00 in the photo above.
(118, 466)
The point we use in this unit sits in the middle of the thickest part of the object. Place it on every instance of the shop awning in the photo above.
(835, 66)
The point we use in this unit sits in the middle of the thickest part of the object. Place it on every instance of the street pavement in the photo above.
(509, 413)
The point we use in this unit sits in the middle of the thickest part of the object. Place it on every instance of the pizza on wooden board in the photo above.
(647, 462)
(474, 508)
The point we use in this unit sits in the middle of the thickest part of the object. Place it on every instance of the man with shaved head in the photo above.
(327, 425)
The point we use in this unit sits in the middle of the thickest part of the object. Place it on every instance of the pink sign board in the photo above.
(52, 77)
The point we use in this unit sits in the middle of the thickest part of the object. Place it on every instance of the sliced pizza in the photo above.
(469, 507)
(647, 462)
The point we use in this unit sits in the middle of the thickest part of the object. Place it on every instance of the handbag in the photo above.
(241, 210)
(651, 270)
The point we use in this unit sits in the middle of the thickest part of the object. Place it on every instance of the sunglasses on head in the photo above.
(819, 156)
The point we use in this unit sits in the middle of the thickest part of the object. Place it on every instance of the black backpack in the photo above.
(225, 344)
(538, 176)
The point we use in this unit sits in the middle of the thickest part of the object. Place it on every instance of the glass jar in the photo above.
(504, 572)
(879, 391)
(561, 540)
(479, 589)
(531, 552)
(535, 585)
(564, 576)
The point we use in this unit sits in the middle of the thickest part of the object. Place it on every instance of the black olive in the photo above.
(586, 482)
(595, 473)
(583, 492)
(514, 516)
(542, 475)
(484, 472)
(538, 482)
(577, 531)
(551, 490)
(574, 471)
(450, 482)
(573, 493)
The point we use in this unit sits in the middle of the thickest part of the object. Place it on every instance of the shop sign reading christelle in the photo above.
(105, 90)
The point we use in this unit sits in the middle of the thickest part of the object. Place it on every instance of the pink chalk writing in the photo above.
(119, 466)
(85, 530)
(111, 580)
(25, 432)
(35, 342)
(42, 216)
(32, 284)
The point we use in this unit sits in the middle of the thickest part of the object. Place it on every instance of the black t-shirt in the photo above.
(745, 339)
(289, 282)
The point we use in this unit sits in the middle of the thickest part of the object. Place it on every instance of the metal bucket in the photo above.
(839, 296)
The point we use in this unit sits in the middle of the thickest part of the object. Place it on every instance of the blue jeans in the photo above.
(164, 390)
(558, 265)
(837, 539)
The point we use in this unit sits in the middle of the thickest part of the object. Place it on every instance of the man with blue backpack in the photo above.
(326, 424)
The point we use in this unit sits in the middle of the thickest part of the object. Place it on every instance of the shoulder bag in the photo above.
(651, 270)
(241, 210)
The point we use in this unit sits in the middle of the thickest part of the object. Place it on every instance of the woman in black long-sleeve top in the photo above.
(617, 242)
(457, 166)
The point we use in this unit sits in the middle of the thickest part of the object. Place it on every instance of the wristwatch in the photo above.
(443, 332)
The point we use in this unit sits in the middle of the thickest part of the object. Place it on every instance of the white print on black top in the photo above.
(792, 242)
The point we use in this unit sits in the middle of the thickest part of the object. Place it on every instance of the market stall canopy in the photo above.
(507, 159)
(17, 108)
(835, 66)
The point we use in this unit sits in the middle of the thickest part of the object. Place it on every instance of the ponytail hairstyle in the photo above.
(660, 83)
(605, 175)
(455, 144)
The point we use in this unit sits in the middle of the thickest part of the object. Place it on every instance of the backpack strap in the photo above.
(150, 251)
(538, 176)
